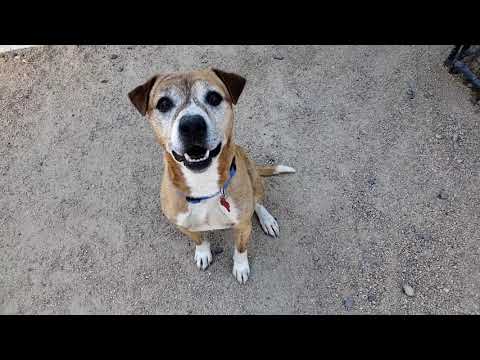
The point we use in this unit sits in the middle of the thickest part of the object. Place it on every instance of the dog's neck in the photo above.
(204, 183)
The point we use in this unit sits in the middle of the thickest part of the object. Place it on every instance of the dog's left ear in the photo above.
(234, 83)
(141, 94)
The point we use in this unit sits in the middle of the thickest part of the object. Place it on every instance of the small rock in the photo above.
(446, 290)
(104, 81)
(438, 136)
(278, 57)
(114, 56)
(442, 195)
(348, 303)
(459, 161)
(408, 290)
(411, 93)
(217, 251)
(120, 69)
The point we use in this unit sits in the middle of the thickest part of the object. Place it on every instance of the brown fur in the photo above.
(266, 170)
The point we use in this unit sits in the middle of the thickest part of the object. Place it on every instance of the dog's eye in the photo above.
(213, 98)
(164, 104)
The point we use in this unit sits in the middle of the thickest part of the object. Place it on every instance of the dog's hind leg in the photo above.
(267, 221)
(203, 255)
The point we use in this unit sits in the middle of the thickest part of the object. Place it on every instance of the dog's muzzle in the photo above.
(192, 131)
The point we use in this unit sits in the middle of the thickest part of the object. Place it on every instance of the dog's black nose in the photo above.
(193, 129)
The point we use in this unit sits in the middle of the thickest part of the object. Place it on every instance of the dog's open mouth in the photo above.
(197, 158)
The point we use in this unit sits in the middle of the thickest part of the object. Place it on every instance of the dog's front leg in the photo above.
(203, 255)
(241, 269)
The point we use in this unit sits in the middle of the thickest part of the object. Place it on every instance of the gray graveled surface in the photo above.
(385, 142)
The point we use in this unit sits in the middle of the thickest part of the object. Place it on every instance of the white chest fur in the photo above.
(208, 214)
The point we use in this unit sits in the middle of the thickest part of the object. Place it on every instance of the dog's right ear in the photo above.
(141, 94)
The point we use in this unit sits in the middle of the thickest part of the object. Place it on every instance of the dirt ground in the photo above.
(386, 145)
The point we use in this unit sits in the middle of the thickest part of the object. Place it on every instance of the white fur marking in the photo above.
(241, 269)
(203, 255)
(208, 214)
(267, 221)
(204, 183)
(283, 169)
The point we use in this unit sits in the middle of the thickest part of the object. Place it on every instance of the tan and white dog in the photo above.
(209, 182)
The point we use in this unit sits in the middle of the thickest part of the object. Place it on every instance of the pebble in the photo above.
(217, 251)
(442, 195)
(114, 56)
(104, 81)
(277, 57)
(348, 303)
(438, 136)
(408, 290)
(411, 93)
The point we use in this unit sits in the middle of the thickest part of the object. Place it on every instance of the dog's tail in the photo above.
(274, 170)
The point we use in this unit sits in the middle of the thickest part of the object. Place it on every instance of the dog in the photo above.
(209, 182)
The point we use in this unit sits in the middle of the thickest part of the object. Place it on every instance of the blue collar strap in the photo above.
(196, 200)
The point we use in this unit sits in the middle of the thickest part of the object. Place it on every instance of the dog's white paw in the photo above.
(267, 221)
(241, 269)
(203, 255)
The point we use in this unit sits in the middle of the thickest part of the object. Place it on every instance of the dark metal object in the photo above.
(457, 63)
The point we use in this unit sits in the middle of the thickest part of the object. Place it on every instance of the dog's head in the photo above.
(191, 113)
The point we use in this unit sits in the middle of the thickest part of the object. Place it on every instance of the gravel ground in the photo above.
(382, 216)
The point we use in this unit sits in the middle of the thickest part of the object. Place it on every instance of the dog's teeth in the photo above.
(189, 159)
(206, 155)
